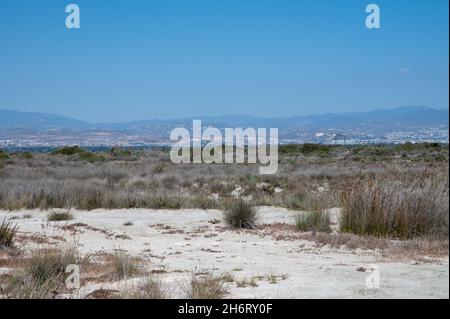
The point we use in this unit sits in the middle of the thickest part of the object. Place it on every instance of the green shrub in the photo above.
(26, 155)
(3, 155)
(119, 152)
(68, 150)
(309, 148)
(59, 216)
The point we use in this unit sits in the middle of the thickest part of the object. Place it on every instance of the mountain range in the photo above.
(407, 116)
(408, 123)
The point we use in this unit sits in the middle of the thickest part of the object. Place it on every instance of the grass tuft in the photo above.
(240, 214)
(125, 266)
(7, 232)
(207, 287)
(42, 275)
(396, 210)
(313, 221)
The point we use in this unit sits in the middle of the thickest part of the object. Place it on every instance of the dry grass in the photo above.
(42, 275)
(125, 266)
(240, 214)
(313, 221)
(149, 289)
(383, 192)
(207, 286)
(59, 216)
(7, 232)
(396, 209)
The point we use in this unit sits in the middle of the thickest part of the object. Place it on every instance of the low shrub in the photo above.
(240, 214)
(59, 216)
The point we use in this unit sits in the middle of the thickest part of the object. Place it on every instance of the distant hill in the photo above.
(10, 119)
(378, 122)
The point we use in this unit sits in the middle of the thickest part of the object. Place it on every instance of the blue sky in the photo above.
(134, 60)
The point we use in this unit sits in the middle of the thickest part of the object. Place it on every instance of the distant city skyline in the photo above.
(138, 60)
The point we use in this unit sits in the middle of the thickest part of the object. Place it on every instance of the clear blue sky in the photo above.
(136, 60)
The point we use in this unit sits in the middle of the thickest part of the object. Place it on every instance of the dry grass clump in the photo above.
(46, 264)
(207, 286)
(42, 275)
(149, 289)
(313, 221)
(7, 232)
(125, 266)
(59, 216)
(395, 209)
(240, 214)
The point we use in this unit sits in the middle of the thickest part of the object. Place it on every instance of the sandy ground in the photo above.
(177, 242)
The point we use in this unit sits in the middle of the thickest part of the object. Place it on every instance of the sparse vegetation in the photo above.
(68, 150)
(26, 155)
(378, 208)
(7, 232)
(149, 289)
(313, 221)
(207, 286)
(3, 155)
(125, 266)
(42, 275)
(240, 214)
(59, 216)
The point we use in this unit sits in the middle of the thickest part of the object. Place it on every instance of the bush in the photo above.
(4, 155)
(7, 233)
(26, 155)
(118, 152)
(240, 214)
(313, 221)
(207, 287)
(68, 150)
(384, 209)
(83, 155)
(59, 216)
(309, 148)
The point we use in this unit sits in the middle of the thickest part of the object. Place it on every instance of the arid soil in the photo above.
(270, 261)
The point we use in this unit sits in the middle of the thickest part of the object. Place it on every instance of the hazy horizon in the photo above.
(199, 116)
